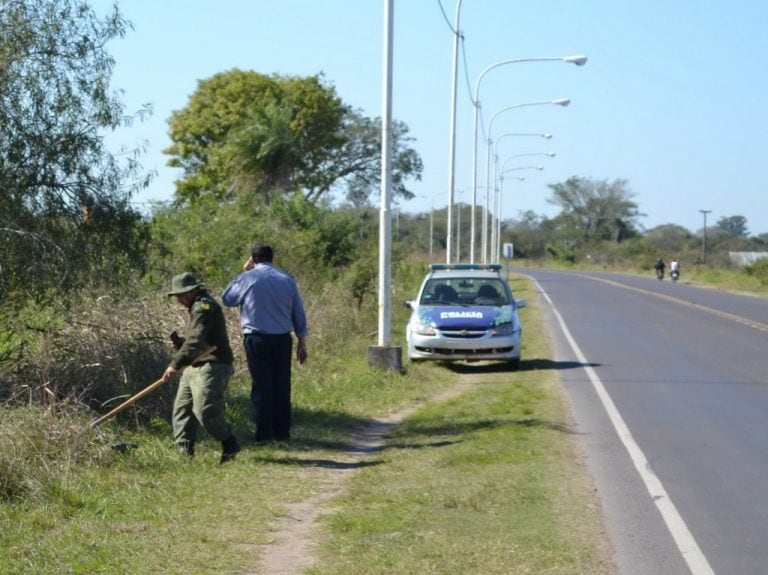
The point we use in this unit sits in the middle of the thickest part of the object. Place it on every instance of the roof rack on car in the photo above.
(491, 267)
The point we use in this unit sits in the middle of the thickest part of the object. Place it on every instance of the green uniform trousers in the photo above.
(200, 401)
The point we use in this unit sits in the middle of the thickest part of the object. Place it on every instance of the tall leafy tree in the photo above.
(668, 238)
(248, 133)
(64, 197)
(734, 225)
(596, 210)
(358, 162)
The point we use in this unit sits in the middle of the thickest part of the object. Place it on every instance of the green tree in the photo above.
(669, 238)
(734, 225)
(359, 160)
(595, 210)
(64, 201)
(528, 234)
(247, 133)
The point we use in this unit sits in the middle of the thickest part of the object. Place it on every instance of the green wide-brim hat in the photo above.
(183, 283)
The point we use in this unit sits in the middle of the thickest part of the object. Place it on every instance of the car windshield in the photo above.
(464, 291)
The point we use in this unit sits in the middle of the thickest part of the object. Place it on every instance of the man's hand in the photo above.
(170, 373)
(301, 351)
(248, 265)
(176, 340)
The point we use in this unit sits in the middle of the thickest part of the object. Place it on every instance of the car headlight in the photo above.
(503, 329)
(420, 328)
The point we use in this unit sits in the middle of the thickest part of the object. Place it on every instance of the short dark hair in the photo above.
(261, 253)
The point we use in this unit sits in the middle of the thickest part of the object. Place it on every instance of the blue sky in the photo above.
(673, 98)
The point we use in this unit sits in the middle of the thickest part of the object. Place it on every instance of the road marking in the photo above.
(737, 318)
(690, 550)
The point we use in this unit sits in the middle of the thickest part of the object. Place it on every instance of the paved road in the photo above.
(669, 391)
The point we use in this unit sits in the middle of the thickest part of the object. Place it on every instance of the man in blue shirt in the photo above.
(271, 308)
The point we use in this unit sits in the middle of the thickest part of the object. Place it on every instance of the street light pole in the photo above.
(496, 220)
(431, 228)
(558, 102)
(458, 229)
(385, 355)
(452, 147)
(705, 212)
(431, 214)
(578, 60)
(501, 197)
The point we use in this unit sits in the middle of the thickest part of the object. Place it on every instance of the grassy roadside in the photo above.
(489, 482)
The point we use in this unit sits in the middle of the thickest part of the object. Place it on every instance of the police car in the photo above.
(465, 312)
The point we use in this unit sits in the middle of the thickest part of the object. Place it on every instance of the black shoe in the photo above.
(229, 449)
(187, 448)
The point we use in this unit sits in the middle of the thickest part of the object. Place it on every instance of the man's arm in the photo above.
(194, 341)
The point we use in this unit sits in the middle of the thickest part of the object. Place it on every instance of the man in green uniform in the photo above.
(206, 371)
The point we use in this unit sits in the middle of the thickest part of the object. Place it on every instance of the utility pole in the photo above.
(705, 212)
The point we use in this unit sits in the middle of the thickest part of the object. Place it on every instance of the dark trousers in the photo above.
(269, 362)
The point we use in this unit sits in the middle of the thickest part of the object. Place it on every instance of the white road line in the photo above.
(687, 545)
(737, 318)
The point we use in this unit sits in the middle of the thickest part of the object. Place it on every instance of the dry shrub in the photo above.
(102, 350)
(335, 320)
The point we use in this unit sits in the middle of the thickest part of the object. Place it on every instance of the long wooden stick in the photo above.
(146, 391)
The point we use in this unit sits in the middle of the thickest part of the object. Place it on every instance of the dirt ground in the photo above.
(291, 549)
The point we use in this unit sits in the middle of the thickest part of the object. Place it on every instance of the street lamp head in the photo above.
(561, 102)
(578, 59)
(551, 154)
(547, 136)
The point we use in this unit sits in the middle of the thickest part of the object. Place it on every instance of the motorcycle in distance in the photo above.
(660, 273)
(674, 275)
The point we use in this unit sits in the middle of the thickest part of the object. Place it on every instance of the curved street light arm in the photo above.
(500, 138)
(485, 247)
(577, 59)
(504, 163)
(557, 102)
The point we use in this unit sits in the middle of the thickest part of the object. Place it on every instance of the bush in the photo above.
(41, 449)
(313, 243)
(758, 270)
(92, 350)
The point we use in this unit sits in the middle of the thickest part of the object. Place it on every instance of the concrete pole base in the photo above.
(389, 358)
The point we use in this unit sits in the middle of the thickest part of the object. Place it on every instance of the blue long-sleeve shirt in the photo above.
(269, 301)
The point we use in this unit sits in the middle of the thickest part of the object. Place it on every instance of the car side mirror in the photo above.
(408, 304)
(519, 303)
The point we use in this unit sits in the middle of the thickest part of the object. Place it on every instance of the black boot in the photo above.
(229, 448)
(187, 448)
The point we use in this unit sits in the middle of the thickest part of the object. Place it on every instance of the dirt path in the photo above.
(291, 549)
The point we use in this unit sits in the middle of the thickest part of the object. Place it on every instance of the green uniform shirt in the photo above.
(206, 327)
